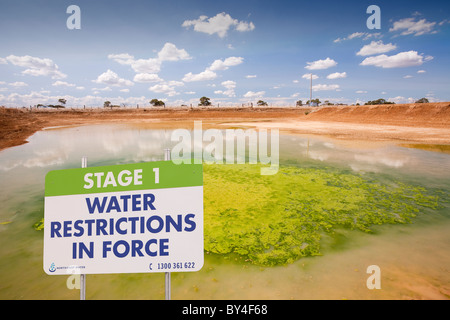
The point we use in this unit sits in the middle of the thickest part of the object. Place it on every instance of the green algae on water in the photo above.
(275, 220)
(38, 226)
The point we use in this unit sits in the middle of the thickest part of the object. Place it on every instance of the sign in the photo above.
(135, 218)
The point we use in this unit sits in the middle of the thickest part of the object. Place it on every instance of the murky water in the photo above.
(414, 258)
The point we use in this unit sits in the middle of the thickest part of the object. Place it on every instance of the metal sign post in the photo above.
(167, 275)
(83, 276)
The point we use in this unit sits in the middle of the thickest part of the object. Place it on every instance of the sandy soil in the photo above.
(409, 123)
(360, 132)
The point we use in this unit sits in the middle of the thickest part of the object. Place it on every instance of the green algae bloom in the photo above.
(38, 226)
(275, 220)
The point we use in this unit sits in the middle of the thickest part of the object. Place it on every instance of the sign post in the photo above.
(83, 276)
(134, 218)
(167, 275)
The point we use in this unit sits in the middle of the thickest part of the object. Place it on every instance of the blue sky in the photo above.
(231, 51)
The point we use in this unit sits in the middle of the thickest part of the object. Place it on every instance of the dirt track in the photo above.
(417, 123)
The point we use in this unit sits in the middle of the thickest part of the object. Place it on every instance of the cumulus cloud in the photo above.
(307, 76)
(36, 66)
(217, 65)
(219, 24)
(400, 99)
(167, 88)
(123, 58)
(34, 98)
(337, 75)
(152, 65)
(230, 86)
(325, 87)
(410, 26)
(376, 47)
(97, 90)
(171, 53)
(111, 78)
(251, 94)
(243, 26)
(62, 84)
(18, 84)
(400, 60)
(202, 76)
(225, 64)
(321, 64)
(355, 35)
(163, 88)
(147, 77)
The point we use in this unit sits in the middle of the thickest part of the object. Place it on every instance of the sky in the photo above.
(234, 52)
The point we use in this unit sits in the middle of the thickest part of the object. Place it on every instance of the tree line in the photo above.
(205, 101)
(317, 102)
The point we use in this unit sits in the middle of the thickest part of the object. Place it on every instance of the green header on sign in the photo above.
(128, 177)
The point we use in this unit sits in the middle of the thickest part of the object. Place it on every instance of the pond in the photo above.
(345, 182)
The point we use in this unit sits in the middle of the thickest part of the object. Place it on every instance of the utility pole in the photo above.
(310, 92)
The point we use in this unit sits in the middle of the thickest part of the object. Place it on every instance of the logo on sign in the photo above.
(52, 268)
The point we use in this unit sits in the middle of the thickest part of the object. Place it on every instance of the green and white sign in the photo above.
(134, 218)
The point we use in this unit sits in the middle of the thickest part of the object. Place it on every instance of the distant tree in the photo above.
(204, 101)
(422, 100)
(157, 103)
(299, 103)
(107, 104)
(313, 101)
(377, 102)
(261, 103)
